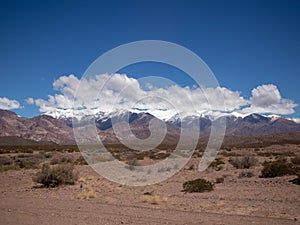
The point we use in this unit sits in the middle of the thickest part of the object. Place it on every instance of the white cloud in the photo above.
(29, 101)
(265, 96)
(267, 99)
(109, 92)
(8, 104)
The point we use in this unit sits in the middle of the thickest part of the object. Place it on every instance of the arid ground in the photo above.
(95, 200)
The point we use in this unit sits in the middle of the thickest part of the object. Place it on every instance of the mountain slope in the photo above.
(45, 128)
(41, 128)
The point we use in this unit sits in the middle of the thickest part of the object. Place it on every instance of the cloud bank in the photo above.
(8, 104)
(108, 93)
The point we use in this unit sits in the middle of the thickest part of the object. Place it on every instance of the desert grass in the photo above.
(153, 199)
(87, 193)
(110, 200)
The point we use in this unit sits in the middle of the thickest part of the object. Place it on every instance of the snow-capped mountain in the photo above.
(58, 127)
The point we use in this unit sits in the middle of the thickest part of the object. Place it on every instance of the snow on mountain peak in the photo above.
(162, 114)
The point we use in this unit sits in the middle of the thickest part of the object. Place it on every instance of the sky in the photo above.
(253, 48)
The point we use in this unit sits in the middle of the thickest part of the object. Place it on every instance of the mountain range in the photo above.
(47, 129)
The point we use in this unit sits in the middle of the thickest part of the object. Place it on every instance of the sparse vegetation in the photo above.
(243, 162)
(219, 180)
(110, 200)
(277, 168)
(164, 169)
(197, 154)
(296, 160)
(80, 161)
(39, 148)
(55, 175)
(23, 161)
(230, 154)
(140, 156)
(246, 174)
(281, 158)
(28, 163)
(9, 167)
(159, 156)
(61, 160)
(87, 193)
(191, 167)
(296, 181)
(198, 185)
(153, 199)
(270, 154)
(5, 161)
(102, 158)
(217, 164)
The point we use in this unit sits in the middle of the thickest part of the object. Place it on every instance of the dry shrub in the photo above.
(81, 179)
(243, 162)
(5, 161)
(9, 167)
(109, 200)
(88, 193)
(219, 180)
(198, 185)
(217, 164)
(154, 199)
(55, 175)
(296, 160)
(6, 164)
(296, 181)
(29, 161)
(80, 161)
(246, 174)
(61, 160)
(278, 168)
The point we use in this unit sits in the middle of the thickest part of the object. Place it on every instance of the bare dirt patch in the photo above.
(95, 200)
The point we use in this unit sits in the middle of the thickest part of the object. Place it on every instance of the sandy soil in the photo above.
(236, 201)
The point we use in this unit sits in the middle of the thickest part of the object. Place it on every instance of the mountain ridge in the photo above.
(45, 128)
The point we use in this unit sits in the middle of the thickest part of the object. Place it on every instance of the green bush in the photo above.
(277, 168)
(198, 185)
(56, 175)
(243, 162)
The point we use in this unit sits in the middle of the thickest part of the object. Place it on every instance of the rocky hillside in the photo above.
(45, 128)
(41, 128)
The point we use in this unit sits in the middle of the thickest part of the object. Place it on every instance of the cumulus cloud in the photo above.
(265, 96)
(29, 101)
(119, 92)
(267, 99)
(8, 104)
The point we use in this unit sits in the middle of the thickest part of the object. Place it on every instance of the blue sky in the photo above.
(245, 43)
